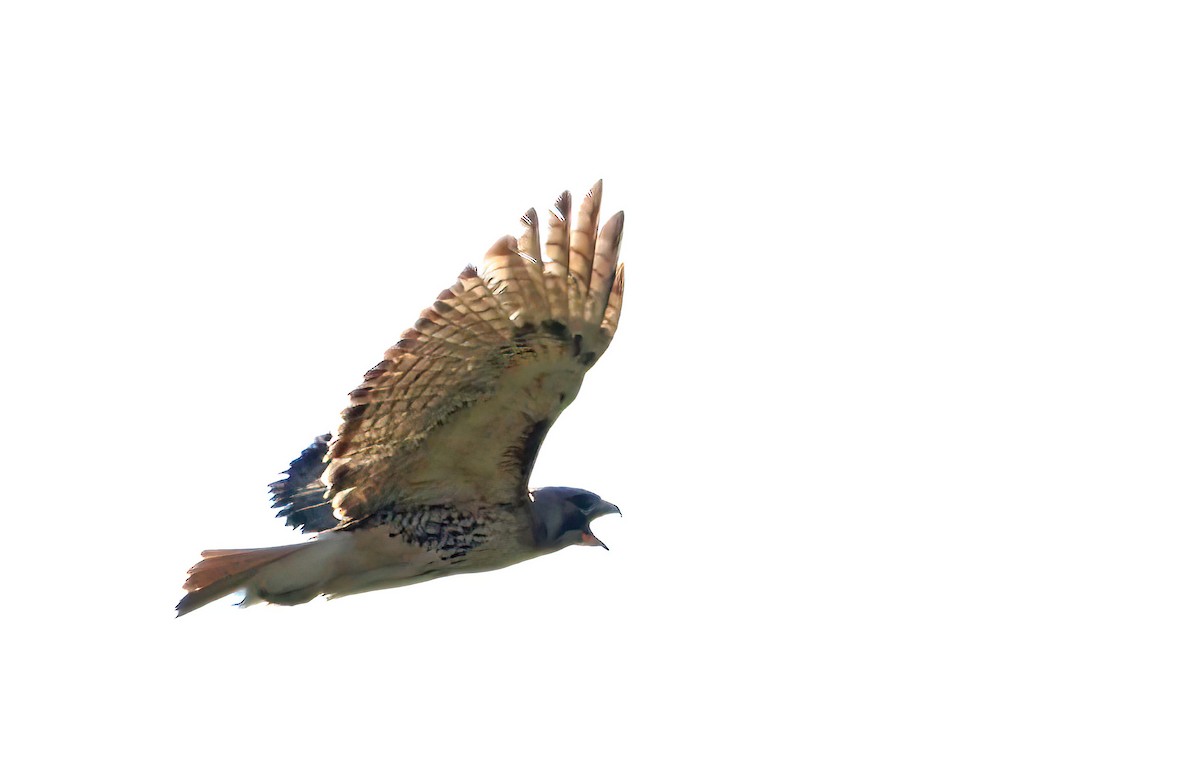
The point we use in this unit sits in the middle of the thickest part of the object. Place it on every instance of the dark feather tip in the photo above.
(300, 495)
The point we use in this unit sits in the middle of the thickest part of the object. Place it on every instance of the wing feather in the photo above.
(503, 267)
(583, 250)
(612, 313)
(608, 252)
(558, 253)
(529, 243)
(300, 495)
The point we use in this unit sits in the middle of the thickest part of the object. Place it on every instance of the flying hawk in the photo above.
(429, 472)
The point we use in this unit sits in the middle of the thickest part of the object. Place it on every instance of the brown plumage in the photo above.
(438, 442)
(226, 570)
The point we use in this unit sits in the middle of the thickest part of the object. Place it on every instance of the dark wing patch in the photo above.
(300, 494)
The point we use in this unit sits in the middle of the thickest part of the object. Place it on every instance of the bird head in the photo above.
(562, 516)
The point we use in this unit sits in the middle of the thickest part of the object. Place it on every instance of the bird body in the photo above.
(428, 474)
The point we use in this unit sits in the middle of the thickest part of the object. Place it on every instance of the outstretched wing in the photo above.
(457, 410)
(300, 494)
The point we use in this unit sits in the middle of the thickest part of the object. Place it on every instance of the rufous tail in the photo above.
(221, 572)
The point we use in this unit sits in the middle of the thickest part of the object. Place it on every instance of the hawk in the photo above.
(428, 474)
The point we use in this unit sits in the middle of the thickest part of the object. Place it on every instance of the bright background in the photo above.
(903, 413)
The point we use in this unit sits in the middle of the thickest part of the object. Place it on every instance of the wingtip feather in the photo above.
(504, 246)
(530, 243)
(562, 205)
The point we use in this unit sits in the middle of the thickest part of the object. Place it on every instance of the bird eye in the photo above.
(582, 502)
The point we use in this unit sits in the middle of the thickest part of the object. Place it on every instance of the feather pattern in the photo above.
(582, 251)
(558, 253)
(300, 494)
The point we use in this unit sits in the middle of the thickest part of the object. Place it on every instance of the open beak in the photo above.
(601, 509)
(591, 540)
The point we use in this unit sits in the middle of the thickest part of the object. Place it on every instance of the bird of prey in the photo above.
(428, 474)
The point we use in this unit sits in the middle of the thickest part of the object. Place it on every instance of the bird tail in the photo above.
(221, 572)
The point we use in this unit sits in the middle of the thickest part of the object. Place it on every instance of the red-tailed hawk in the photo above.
(429, 472)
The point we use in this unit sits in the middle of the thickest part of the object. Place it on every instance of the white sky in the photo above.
(902, 414)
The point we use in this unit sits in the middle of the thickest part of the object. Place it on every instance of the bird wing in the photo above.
(458, 408)
(300, 494)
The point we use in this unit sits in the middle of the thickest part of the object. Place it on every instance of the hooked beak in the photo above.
(604, 507)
